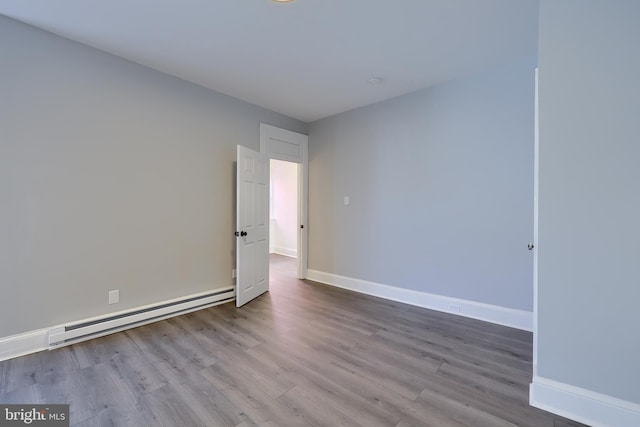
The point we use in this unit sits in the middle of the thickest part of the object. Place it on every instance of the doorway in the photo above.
(283, 215)
(283, 208)
(253, 209)
(288, 161)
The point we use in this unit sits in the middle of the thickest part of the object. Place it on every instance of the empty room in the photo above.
(320, 213)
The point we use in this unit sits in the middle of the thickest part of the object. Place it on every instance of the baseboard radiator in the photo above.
(100, 326)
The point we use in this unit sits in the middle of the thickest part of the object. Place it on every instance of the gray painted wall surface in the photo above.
(441, 189)
(112, 176)
(589, 258)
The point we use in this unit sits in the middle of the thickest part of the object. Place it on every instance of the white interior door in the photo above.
(252, 225)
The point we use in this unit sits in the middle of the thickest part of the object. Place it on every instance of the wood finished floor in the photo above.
(303, 354)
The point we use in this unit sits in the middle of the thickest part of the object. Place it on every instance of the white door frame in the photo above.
(536, 166)
(282, 144)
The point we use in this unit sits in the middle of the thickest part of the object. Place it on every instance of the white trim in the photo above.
(49, 338)
(303, 214)
(280, 250)
(536, 189)
(582, 405)
(519, 319)
(282, 144)
(23, 344)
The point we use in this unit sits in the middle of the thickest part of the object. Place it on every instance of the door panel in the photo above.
(252, 232)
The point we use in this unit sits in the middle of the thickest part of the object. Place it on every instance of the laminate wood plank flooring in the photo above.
(304, 354)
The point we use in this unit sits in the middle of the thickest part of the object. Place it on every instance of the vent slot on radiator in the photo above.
(97, 327)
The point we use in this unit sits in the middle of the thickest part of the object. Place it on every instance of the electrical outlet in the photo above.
(233, 273)
(114, 297)
(455, 308)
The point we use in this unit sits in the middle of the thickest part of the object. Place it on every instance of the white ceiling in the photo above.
(308, 59)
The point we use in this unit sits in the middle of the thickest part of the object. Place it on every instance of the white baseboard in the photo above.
(38, 340)
(23, 344)
(290, 252)
(519, 319)
(582, 405)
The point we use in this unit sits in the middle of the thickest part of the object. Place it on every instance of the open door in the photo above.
(252, 225)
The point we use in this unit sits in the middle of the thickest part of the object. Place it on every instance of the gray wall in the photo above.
(112, 176)
(589, 257)
(441, 188)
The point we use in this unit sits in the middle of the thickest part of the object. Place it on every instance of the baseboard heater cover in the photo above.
(100, 326)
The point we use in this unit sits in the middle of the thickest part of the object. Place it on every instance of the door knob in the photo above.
(530, 246)
(243, 233)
